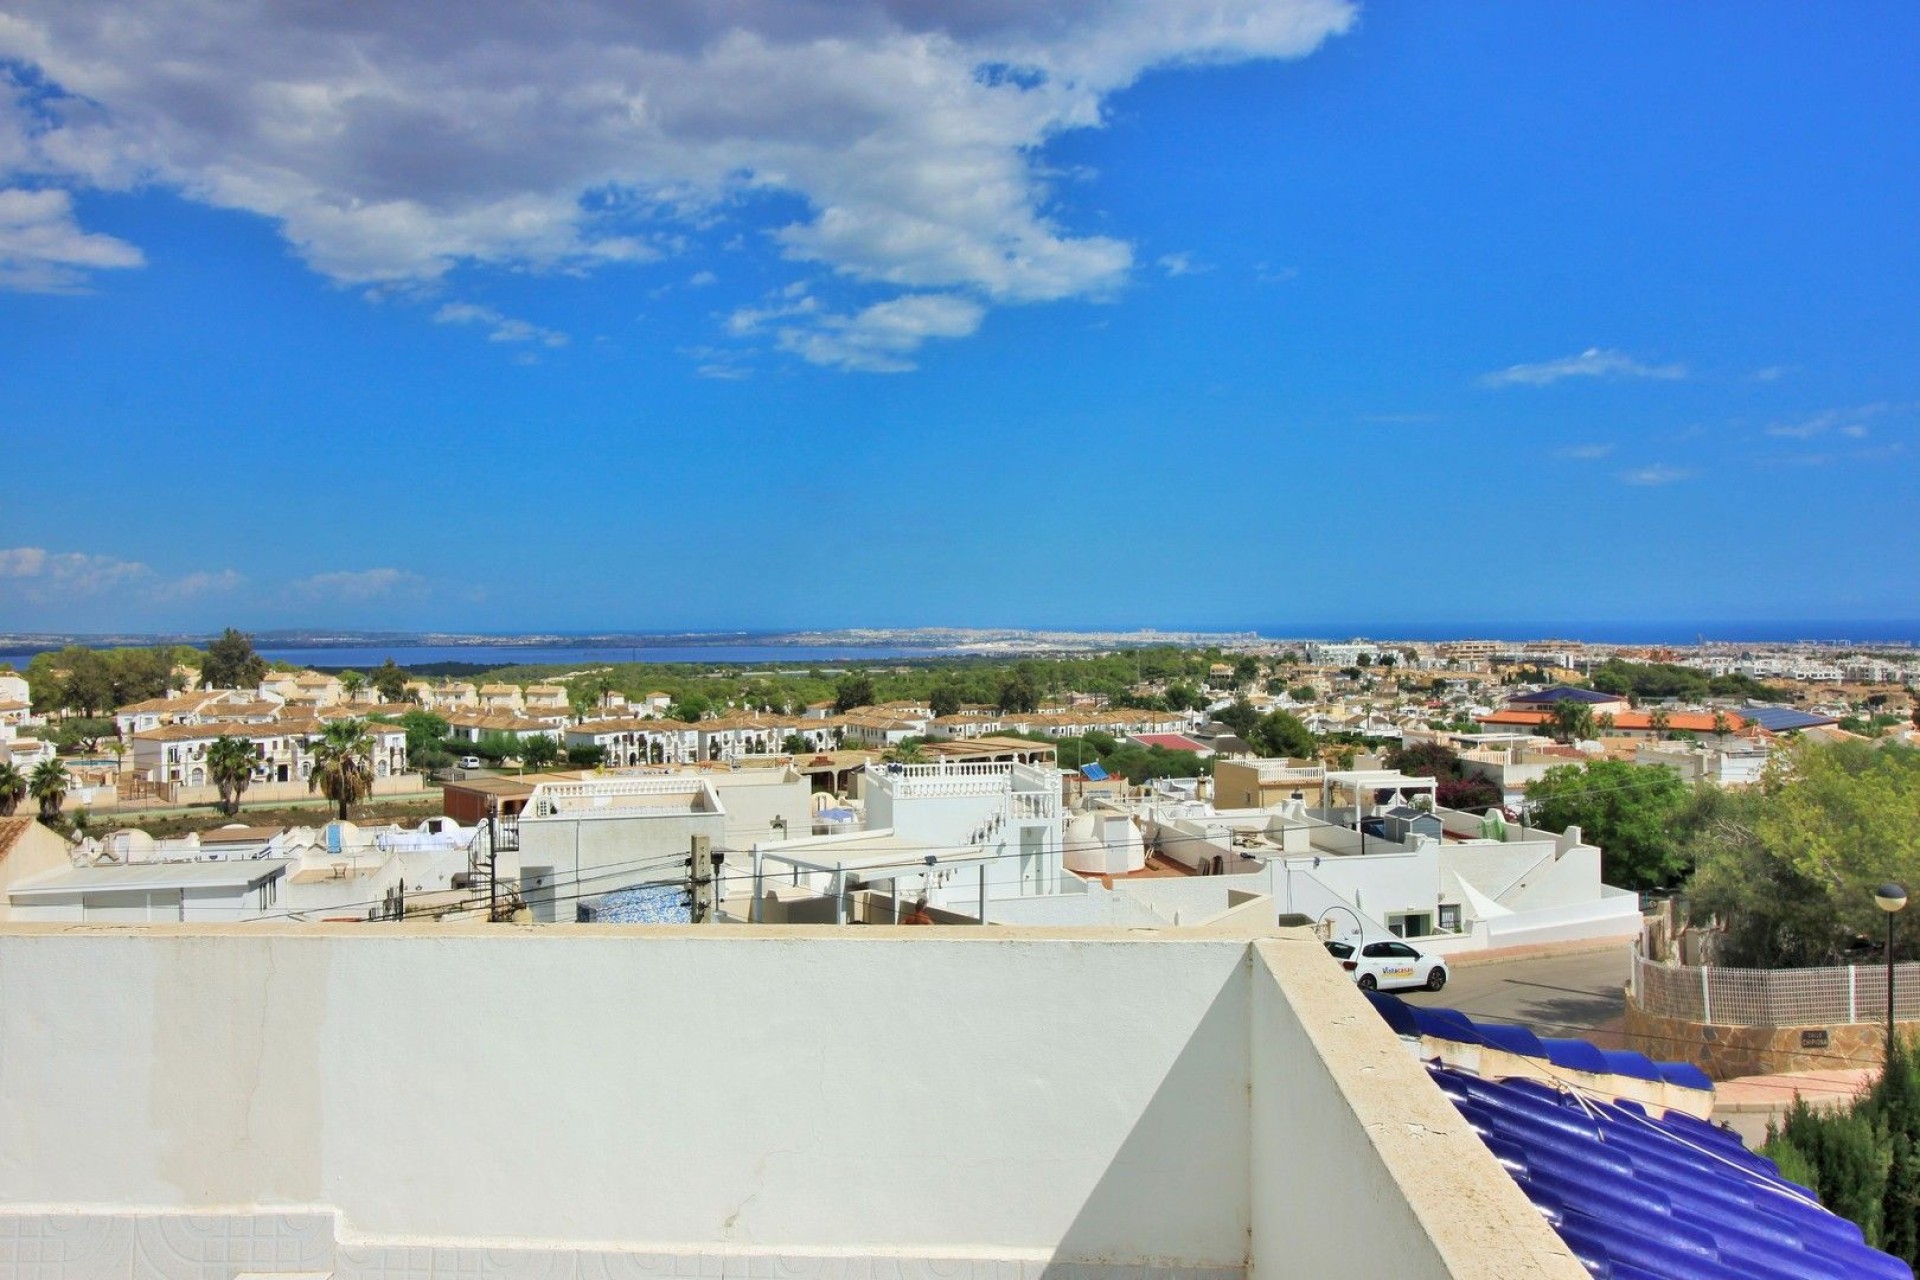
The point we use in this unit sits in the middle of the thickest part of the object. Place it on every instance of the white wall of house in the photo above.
(754, 798)
(569, 857)
(1012, 811)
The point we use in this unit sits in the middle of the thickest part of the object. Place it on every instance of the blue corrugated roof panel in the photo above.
(1575, 1055)
(1637, 1197)
(1783, 719)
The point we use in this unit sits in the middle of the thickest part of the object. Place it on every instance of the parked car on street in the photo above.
(469, 762)
(1390, 966)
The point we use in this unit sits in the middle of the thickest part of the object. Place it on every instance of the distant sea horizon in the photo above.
(767, 649)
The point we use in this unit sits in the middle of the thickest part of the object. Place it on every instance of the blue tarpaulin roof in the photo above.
(1093, 773)
(1637, 1198)
(1575, 1055)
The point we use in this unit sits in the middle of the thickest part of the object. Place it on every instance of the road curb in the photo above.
(1543, 951)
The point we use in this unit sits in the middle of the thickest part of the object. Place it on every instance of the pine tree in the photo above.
(1894, 1103)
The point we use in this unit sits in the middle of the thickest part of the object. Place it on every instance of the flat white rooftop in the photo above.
(153, 877)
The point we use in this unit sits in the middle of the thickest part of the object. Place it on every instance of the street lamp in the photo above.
(1359, 927)
(1890, 898)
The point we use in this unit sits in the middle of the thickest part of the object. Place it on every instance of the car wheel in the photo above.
(1367, 982)
(1437, 979)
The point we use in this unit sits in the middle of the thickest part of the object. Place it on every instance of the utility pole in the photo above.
(700, 879)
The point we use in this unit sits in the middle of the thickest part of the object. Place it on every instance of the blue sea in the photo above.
(499, 655)
(753, 652)
(1855, 632)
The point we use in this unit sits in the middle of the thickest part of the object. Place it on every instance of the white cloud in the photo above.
(1181, 264)
(701, 279)
(1850, 423)
(882, 337)
(1591, 363)
(501, 328)
(38, 573)
(788, 303)
(39, 576)
(42, 248)
(356, 585)
(390, 147)
(1657, 474)
(195, 585)
(1586, 452)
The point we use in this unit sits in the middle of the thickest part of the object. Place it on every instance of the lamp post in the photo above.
(1358, 924)
(1890, 898)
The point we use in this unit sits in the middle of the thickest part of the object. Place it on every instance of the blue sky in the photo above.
(758, 315)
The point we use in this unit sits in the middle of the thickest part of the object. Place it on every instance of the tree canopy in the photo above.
(230, 762)
(1644, 680)
(343, 764)
(1629, 810)
(854, 690)
(1281, 733)
(95, 681)
(231, 663)
(944, 700)
(391, 681)
(1020, 692)
(1457, 789)
(1572, 721)
(1789, 869)
(47, 784)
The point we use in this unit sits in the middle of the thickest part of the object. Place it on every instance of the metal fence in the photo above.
(1774, 997)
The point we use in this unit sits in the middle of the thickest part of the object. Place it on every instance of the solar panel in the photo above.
(1784, 719)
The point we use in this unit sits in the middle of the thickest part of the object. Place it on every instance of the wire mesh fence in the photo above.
(1774, 997)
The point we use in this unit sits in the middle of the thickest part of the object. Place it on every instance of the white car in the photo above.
(1390, 966)
(469, 762)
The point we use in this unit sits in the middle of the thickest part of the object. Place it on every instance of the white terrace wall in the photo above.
(681, 1091)
(1398, 1185)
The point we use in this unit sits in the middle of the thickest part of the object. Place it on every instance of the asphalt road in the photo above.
(1576, 995)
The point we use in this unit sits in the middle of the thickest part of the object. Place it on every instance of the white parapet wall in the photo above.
(411, 1100)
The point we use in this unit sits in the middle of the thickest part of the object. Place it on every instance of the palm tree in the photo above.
(907, 752)
(1572, 721)
(230, 762)
(1658, 722)
(48, 786)
(13, 789)
(1722, 726)
(343, 763)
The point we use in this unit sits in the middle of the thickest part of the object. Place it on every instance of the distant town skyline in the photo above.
(759, 317)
